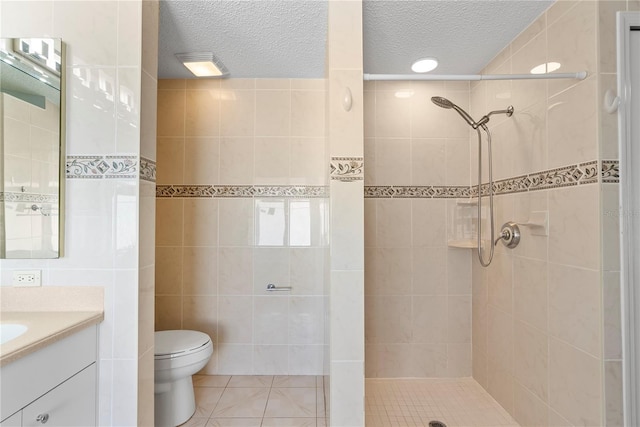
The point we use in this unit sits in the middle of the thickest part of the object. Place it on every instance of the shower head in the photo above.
(442, 102)
(445, 103)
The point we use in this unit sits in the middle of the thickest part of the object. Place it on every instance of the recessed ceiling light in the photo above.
(548, 67)
(424, 65)
(203, 64)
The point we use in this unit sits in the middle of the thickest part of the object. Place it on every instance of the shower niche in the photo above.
(462, 223)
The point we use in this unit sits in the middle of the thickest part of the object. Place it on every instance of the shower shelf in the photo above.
(467, 202)
(464, 243)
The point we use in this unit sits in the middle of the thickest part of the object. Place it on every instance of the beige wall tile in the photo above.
(530, 287)
(171, 112)
(501, 277)
(459, 320)
(612, 316)
(389, 272)
(528, 92)
(614, 415)
(575, 380)
(428, 165)
(308, 165)
(458, 271)
(388, 319)
(389, 154)
(459, 362)
(307, 113)
(270, 265)
(273, 113)
(202, 113)
(500, 341)
(168, 270)
(200, 313)
(169, 222)
(201, 159)
(608, 122)
(430, 319)
(573, 215)
(528, 409)
(394, 223)
(235, 271)
(168, 313)
(428, 217)
(530, 359)
(237, 112)
(479, 367)
(200, 222)
(234, 323)
(572, 42)
(170, 161)
(429, 271)
(607, 33)
(236, 161)
(501, 385)
(576, 321)
(272, 159)
(390, 361)
(572, 125)
(393, 116)
(199, 271)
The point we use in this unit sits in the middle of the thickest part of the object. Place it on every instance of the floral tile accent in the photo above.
(102, 167)
(347, 169)
(147, 169)
(584, 173)
(610, 171)
(28, 197)
(215, 191)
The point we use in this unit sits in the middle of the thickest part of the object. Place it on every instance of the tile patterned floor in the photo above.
(414, 402)
(258, 401)
(298, 401)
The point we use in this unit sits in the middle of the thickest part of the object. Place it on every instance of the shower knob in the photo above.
(509, 235)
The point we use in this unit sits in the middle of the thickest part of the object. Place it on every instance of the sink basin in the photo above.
(9, 331)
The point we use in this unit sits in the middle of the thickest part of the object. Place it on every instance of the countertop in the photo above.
(50, 313)
(44, 328)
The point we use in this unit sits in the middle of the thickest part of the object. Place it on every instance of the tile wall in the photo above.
(417, 289)
(345, 123)
(242, 203)
(102, 191)
(546, 316)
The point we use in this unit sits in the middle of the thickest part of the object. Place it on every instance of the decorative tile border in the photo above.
(610, 171)
(147, 169)
(566, 176)
(28, 197)
(416, 192)
(221, 191)
(347, 169)
(101, 167)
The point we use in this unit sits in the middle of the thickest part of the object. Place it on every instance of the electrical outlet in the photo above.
(27, 278)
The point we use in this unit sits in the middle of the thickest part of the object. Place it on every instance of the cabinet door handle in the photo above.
(43, 418)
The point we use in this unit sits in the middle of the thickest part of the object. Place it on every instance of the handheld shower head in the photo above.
(445, 103)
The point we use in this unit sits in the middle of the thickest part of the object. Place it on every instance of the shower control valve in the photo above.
(509, 234)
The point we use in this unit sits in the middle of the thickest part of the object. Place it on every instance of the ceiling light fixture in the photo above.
(547, 67)
(203, 64)
(424, 65)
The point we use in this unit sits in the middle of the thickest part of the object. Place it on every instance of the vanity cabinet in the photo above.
(54, 386)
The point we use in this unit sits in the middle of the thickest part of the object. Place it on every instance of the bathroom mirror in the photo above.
(31, 135)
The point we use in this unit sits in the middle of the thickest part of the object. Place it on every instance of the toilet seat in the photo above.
(179, 343)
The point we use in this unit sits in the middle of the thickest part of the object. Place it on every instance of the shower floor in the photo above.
(414, 402)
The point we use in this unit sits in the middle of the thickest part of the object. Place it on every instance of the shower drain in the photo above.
(437, 424)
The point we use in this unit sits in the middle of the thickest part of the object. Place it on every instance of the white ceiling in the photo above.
(287, 38)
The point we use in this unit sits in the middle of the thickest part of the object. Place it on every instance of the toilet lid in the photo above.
(173, 342)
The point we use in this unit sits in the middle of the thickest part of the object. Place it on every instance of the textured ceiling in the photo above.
(287, 38)
(251, 38)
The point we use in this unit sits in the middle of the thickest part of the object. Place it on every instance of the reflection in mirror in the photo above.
(30, 135)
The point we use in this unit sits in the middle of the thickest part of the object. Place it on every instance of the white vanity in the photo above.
(48, 374)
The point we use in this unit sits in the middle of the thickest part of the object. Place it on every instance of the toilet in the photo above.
(178, 355)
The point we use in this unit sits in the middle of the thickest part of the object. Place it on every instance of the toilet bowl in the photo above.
(178, 355)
